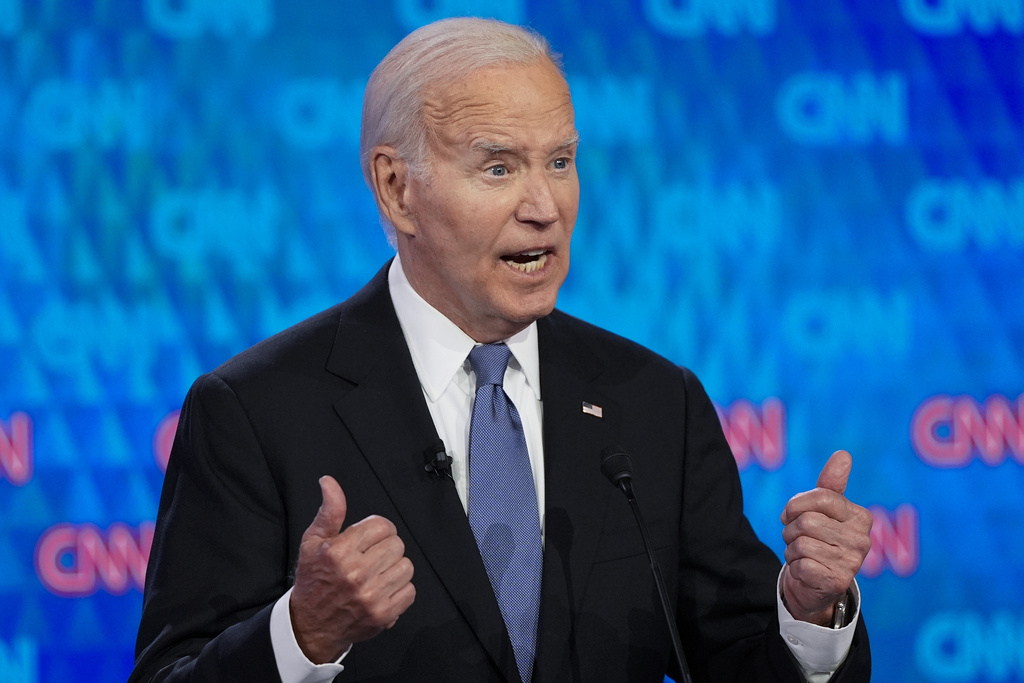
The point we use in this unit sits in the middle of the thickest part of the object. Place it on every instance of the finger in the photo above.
(813, 525)
(808, 573)
(815, 585)
(380, 556)
(367, 533)
(331, 515)
(401, 601)
(393, 579)
(807, 548)
(836, 472)
(385, 596)
(823, 501)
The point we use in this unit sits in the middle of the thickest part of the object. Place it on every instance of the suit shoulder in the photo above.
(366, 320)
(303, 345)
(613, 351)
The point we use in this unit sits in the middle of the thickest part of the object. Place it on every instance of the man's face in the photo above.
(488, 230)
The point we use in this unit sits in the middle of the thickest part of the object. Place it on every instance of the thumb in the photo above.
(836, 472)
(331, 515)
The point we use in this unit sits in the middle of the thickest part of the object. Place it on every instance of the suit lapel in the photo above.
(388, 418)
(577, 494)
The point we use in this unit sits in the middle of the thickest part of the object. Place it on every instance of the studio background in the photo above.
(818, 206)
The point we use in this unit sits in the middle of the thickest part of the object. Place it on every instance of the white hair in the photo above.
(434, 56)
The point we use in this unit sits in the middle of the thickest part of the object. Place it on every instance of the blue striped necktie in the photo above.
(503, 503)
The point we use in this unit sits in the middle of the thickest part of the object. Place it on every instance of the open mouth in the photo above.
(527, 261)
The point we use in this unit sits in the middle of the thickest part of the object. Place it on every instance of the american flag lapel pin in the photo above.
(591, 409)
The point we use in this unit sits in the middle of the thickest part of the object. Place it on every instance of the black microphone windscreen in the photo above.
(616, 465)
(437, 459)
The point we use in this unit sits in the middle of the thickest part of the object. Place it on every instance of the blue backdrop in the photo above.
(817, 206)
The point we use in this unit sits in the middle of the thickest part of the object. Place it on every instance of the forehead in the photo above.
(502, 100)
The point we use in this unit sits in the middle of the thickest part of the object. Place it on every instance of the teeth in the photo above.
(531, 266)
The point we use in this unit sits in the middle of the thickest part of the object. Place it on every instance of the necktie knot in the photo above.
(489, 362)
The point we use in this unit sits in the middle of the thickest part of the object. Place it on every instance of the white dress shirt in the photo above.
(440, 354)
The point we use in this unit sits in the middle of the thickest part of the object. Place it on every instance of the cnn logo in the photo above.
(949, 431)
(77, 560)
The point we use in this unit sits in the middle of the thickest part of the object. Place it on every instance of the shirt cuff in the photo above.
(819, 650)
(292, 664)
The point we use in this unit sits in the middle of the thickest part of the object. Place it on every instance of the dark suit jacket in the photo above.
(337, 394)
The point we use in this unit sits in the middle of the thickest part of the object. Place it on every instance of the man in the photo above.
(469, 146)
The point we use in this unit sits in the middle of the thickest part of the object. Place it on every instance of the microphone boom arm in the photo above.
(618, 468)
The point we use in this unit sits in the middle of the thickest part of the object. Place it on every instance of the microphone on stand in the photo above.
(618, 468)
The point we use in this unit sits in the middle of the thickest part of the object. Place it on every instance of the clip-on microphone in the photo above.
(438, 460)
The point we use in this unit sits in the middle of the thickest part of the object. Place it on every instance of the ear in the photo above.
(389, 175)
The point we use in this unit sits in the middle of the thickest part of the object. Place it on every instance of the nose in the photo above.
(537, 205)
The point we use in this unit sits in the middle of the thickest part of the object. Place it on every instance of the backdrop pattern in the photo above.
(817, 206)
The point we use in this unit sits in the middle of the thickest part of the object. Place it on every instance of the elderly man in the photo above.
(407, 486)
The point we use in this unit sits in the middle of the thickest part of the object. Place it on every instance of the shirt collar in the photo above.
(439, 348)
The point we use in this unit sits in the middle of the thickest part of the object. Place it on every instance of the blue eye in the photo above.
(561, 164)
(498, 171)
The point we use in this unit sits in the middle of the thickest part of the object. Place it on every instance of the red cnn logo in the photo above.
(76, 560)
(755, 434)
(16, 455)
(895, 542)
(950, 431)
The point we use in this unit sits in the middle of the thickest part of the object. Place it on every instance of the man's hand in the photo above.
(827, 538)
(349, 586)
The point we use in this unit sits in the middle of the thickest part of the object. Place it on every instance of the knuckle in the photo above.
(393, 545)
(382, 525)
(379, 613)
(352, 577)
(338, 553)
(819, 497)
(801, 545)
(407, 598)
(796, 527)
(797, 569)
(373, 526)
(812, 523)
(366, 599)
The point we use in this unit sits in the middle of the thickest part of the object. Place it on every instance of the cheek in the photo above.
(569, 199)
(471, 219)
(440, 228)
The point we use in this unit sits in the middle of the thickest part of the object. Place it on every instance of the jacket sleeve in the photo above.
(727, 577)
(219, 559)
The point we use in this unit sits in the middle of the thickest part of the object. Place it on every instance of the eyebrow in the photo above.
(495, 148)
(570, 141)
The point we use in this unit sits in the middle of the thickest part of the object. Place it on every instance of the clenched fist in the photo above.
(827, 538)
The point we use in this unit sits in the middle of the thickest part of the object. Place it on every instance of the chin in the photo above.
(534, 313)
(522, 309)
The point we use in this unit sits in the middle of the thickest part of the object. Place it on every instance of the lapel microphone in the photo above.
(618, 468)
(438, 461)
